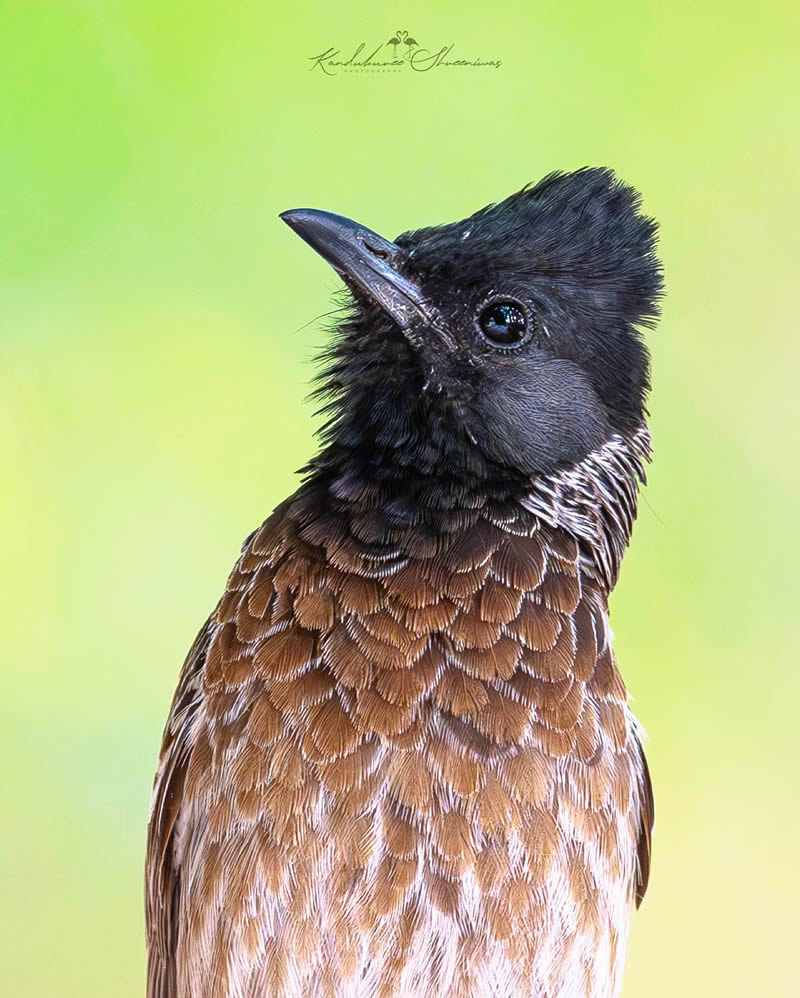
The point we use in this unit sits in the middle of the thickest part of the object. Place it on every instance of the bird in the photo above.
(401, 759)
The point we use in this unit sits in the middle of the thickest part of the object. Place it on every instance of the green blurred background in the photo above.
(157, 335)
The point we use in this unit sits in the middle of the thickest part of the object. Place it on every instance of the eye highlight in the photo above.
(504, 322)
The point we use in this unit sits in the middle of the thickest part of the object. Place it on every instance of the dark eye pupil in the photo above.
(503, 322)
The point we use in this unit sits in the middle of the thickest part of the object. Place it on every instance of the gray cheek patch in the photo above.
(539, 415)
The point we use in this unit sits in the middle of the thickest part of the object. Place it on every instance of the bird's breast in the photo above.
(414, 771)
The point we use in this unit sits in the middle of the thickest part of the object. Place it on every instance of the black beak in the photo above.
(364, 258)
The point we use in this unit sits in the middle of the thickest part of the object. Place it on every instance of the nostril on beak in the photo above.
(389, 254)
(382, 254)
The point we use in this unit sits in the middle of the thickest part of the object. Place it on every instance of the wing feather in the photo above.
(162, 872)
(647, 816)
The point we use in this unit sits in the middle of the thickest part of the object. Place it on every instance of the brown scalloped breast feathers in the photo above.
(399, 765)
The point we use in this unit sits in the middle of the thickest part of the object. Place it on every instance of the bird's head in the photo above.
(510, 338)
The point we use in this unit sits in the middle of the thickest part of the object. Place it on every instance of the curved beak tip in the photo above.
(294, 215)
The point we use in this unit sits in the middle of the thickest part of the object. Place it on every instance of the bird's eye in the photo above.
(504, 322)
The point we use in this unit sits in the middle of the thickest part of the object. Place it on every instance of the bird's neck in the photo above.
(382, 498)
(596, 501)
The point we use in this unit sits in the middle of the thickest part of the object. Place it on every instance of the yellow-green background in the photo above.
(153, 360)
